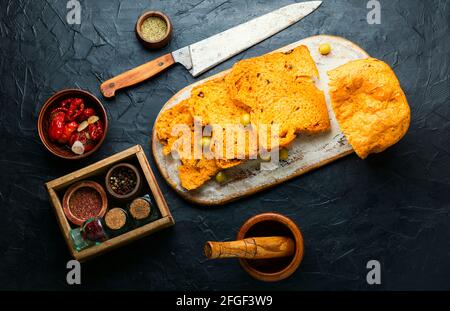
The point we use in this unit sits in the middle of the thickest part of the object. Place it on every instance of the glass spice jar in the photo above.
(116, 222)
(78, 242)
(93, 230)
(142, 211)
(89, 234)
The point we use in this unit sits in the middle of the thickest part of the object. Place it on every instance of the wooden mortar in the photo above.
(275, 268)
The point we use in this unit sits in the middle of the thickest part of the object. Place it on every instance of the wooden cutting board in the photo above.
(305, 154)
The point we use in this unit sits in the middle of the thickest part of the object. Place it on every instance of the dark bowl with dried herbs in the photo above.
(154, 29)
(123, 181)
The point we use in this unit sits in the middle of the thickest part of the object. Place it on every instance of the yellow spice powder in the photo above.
(153, 28)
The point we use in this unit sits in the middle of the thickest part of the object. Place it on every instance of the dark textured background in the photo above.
(393, 207)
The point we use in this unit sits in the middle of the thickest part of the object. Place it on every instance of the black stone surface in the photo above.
(394, 207)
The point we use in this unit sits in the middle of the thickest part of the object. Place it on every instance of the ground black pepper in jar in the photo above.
(123, 180)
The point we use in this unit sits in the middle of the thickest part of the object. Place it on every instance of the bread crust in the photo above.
(370, 105)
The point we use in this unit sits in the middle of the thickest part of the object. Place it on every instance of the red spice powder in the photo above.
(85, 203)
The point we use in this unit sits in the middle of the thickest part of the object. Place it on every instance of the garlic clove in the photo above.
(93, 119)
(78, 147)
(83, 125)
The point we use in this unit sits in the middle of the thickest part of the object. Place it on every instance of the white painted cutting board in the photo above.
(306, 152)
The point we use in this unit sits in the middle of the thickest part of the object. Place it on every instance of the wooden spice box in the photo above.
(135, 155)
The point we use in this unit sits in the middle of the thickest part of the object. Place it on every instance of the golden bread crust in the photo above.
(179, 114)
(369, 104)
(195, 173)
(212, 106)
(279, 89)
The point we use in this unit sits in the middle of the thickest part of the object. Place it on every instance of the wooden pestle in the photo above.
(251, 248)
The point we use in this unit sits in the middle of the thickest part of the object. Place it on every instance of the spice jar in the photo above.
(154, 29)
(116, 222)
(79, 243)
(142, 211)
(89, 234)
(84, 200)
(93, 230)
(123, 181)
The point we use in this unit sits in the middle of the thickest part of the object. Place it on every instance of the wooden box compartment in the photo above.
(96, 172)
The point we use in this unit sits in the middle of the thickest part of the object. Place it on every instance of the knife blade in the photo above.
(205, 54)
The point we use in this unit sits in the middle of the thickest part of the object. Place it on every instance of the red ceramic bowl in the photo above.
(97, 188)
(44, 120)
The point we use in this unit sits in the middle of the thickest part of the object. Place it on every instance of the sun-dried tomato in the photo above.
(88, 112)
(74, 107)
(96, 130)
(69, 128)
(56, 127)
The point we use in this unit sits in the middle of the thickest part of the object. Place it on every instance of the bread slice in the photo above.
(279, 89)
(211, 105)
(192, 172)
(195, 173)
(370, 105)
(179, 114)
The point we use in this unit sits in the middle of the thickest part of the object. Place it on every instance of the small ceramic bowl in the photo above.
(161, 42)
(44, 120)
(131, 194)
(68, 204)
(273, 269)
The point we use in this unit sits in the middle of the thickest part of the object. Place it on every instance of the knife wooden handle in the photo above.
(136, 75)
(251, 248)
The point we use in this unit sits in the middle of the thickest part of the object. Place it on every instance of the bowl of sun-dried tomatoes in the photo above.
(72, 124)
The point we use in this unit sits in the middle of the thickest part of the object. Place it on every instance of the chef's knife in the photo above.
(203, 55)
